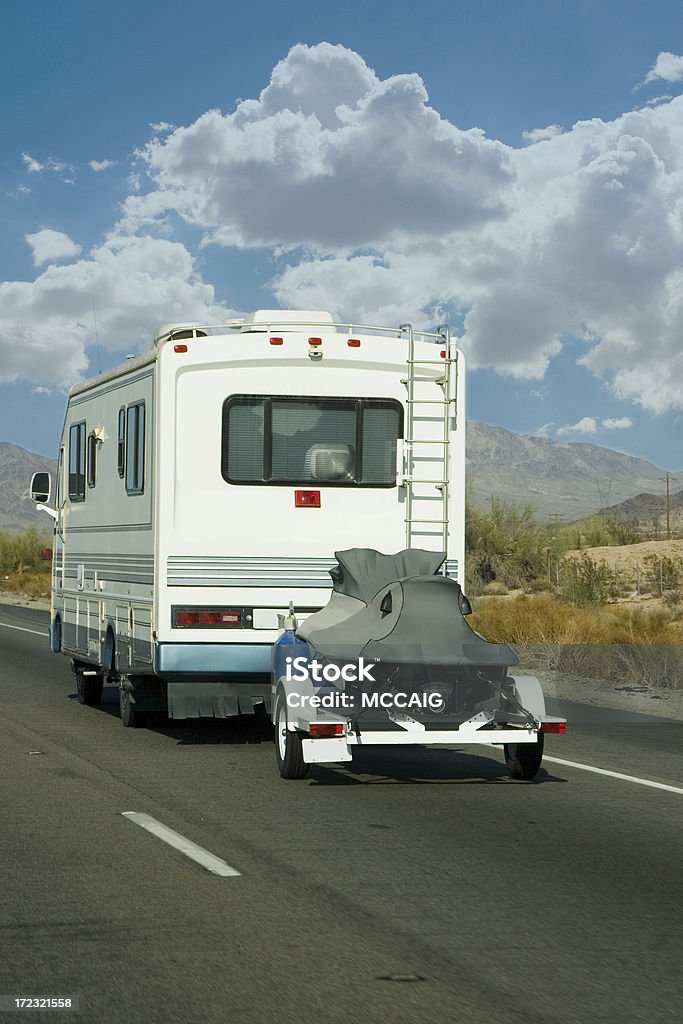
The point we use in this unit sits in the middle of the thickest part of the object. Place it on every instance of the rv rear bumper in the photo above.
(211, 659)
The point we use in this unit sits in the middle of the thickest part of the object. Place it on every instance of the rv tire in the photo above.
(89, 687)
(523, 760)
(289, 755)
(131, 717)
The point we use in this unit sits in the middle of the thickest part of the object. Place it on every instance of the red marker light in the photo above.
(180, 348)
(307, 499)
(276, 341)
(315, 341)
(442, 353)
(353, 343)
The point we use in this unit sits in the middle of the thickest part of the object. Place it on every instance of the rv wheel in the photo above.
(289, 755)
(89, 687)
(131, 717)
(524, 759)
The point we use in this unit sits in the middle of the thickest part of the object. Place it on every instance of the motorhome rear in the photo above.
(204, 486)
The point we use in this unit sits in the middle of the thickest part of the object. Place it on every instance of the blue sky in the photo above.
(516, 168)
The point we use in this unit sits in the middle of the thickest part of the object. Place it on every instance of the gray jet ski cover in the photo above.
(408, 615)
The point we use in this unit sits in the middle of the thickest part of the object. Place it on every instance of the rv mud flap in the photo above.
(215, 700)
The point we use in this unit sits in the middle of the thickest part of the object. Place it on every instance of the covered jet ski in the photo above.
(392, 652)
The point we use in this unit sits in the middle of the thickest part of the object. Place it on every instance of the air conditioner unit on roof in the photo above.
(284, 319)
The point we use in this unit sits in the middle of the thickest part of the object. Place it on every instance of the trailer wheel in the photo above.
(131, 717)
(89, 688)
(289, 755)
(524, 759)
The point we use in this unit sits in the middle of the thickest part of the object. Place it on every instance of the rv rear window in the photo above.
(301, 440)
(77, 461)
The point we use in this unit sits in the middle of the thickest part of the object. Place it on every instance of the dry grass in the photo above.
(620, 642)
(542, 618)
(28, 583)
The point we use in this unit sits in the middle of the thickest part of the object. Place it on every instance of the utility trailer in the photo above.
(206, 484)
(391, 660)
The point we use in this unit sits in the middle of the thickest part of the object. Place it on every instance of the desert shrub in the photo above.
(623, 531)
(662, 573)
(585, 582)
(496, 589)
(504, 545)
(22, 551)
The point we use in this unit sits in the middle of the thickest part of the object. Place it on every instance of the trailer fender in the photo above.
(529, 693)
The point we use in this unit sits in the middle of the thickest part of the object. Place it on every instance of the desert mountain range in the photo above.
(566, 480)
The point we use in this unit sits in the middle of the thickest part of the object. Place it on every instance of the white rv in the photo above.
(204, 486)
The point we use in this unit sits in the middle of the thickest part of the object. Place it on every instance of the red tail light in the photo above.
(325, 729)
(554, 727)
(202, 618)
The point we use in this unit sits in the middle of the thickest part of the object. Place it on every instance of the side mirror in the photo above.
(41, 488)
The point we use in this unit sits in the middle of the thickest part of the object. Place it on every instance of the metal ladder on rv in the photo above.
(431, 405)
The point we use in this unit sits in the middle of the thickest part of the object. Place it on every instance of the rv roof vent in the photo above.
(284, 320)
(179, 332)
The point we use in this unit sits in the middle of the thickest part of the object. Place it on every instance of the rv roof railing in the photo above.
(190, 330)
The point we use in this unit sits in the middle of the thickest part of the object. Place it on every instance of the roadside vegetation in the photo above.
(24, 567)
(536, 587)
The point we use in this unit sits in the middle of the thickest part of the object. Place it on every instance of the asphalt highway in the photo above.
(414, 886)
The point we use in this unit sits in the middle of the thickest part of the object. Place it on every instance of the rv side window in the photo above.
(121, 445)
(135, 448)
(302, 440)
(77, 461)
(92, 459)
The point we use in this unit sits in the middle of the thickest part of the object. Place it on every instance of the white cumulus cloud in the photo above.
(48, 245)
(668, 68)
(101, 165)
(376, 207)
(133, 284)
(587, 425)
(619, 423)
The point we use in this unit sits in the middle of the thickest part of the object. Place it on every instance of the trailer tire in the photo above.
(523, 760)
(289, 755)
(89, 688)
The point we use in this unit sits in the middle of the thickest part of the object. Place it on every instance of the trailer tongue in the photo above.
(391, 660)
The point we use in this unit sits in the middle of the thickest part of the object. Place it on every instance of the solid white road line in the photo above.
(616, 775)
(23, 629)
(186, 846)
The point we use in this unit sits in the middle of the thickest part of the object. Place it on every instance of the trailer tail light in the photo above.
(442, 353)
(315, 341)
(307, 499)
(210, 618)
(353, 342)
(318, 730)
(276, 341)
(554, 727)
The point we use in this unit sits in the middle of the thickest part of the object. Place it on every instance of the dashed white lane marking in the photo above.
(616, 775)
(197, 853)
(23, 629)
